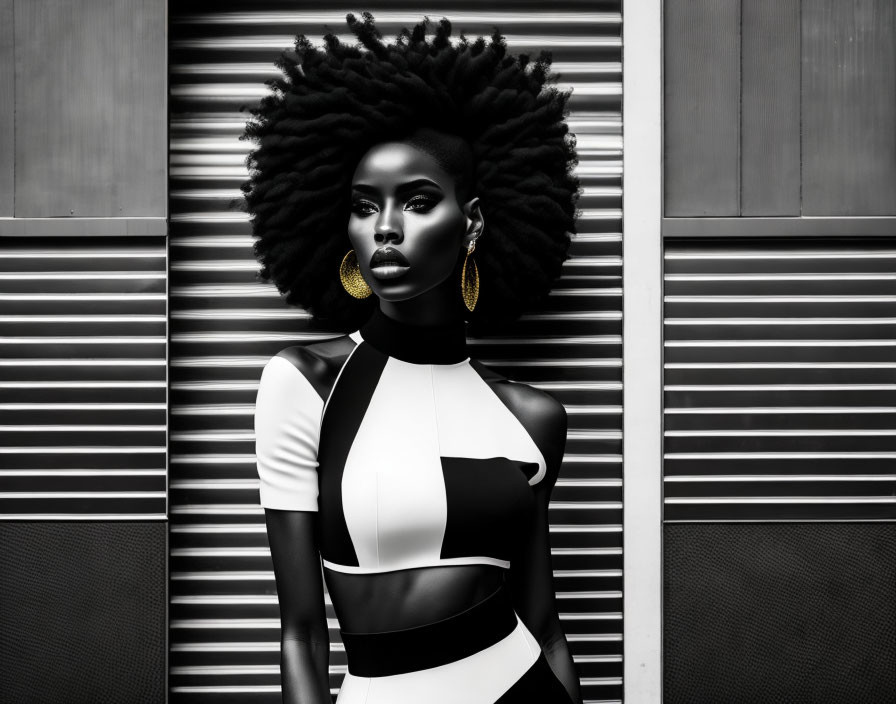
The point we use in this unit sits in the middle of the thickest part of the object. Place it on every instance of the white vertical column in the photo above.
(642, 349)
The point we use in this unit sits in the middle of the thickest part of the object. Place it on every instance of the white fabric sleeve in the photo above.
(287, 431)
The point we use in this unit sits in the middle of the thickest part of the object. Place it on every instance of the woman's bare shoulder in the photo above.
(523, 400)
(320, 362)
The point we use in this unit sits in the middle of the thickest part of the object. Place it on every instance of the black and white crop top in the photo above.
(412, 456)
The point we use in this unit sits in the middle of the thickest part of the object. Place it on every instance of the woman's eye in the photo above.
(422, 204)
(363, 207)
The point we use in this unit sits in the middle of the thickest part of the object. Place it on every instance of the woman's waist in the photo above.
(473, 630)
(408, 598)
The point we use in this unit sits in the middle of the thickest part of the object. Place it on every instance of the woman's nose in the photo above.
(388, 227)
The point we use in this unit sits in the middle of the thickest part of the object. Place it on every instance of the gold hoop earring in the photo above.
(350, 276)
(469, 279)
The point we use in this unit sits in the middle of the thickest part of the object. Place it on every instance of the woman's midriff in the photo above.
(391, 601)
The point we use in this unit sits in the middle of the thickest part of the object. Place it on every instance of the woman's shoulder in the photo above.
(319, 362)
(292, 392)
(523, 399)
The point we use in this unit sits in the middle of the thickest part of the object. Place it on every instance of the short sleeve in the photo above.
(287, 431)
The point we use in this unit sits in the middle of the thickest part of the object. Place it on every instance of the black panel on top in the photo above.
(343, 415)
(83, 613)
(779, 612)
(489, 505)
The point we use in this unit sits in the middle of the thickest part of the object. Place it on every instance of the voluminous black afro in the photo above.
(332, 105)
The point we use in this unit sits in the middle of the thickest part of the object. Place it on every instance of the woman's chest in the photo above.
(436, 469)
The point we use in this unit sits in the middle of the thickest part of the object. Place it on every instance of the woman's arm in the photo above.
(531, 575)
(304, 638)
(287, 429)
(532, 586)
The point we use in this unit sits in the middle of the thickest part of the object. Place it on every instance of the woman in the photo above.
(386, 180)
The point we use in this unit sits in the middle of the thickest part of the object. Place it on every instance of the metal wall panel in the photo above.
(780, 108)
(849, 107)
(7, 108)
(701, 151)
(90, 108)
(83, 378)
(780, 375)
(770, 108)
(226, 325)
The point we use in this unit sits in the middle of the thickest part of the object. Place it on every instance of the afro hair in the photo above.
(331, 105)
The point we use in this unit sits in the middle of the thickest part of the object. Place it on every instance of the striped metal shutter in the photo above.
(225, 325)
(83, 375)
(780, 374)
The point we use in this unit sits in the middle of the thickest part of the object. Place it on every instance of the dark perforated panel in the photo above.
(82, 613)
(780, 613)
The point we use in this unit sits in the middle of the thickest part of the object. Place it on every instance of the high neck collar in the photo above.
(417, 344)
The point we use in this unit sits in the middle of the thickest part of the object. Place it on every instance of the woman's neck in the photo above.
(441, 343)
(438, 306)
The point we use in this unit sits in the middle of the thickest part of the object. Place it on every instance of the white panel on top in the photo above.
(392, 487)
(474, 422)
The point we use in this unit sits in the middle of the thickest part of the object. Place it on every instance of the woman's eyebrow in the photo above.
(418, 183)
(401, 188)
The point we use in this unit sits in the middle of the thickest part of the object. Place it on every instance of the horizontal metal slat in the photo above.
(778, 372)
(83, 378)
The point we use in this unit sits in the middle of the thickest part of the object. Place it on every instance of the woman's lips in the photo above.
(388, 271)
(388, 263)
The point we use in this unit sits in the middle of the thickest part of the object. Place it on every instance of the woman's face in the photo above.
(406, 225)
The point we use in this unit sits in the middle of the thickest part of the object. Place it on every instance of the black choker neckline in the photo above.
(417, 344)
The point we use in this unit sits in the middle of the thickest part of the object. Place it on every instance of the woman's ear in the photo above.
(475, 221)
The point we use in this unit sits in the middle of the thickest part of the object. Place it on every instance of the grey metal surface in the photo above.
(90, 108)
(770, 108)
(702, 107)
(780, 373)
(7, 108)
(82, 379)
(225, 325)
(780, 108)
(849, 107)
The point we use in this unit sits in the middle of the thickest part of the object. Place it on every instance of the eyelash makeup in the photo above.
(418, 203)
(421, 203)
(363, 207)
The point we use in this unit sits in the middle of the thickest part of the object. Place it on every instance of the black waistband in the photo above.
(411, 649)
